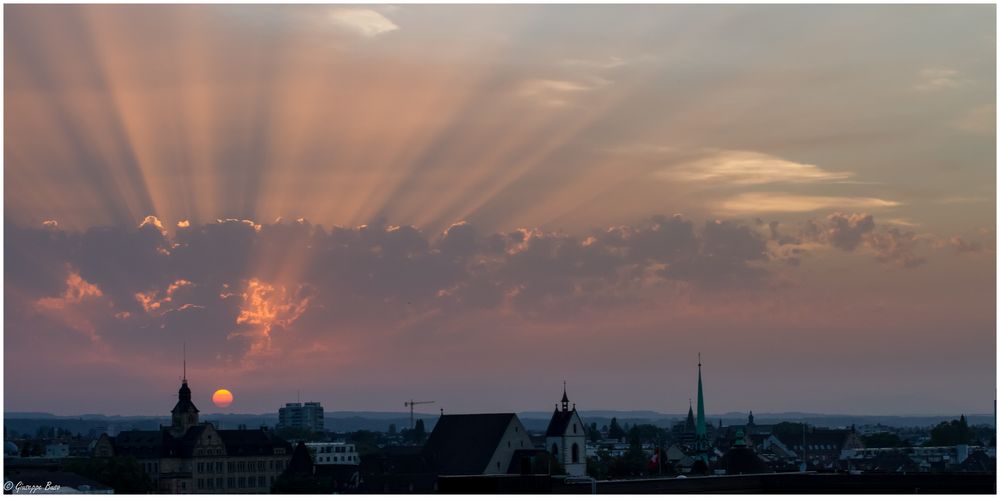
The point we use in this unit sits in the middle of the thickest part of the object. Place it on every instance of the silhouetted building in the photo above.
(308, 415)
(566, 438)
(475, 444)
(740, 459)
(193, 457)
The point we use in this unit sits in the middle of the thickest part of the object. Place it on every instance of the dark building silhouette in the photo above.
(194, 457)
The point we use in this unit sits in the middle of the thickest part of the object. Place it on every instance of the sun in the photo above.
(222, 398)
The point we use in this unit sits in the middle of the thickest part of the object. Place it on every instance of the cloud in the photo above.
(595, 64)
(981, 120)
(850, 232)
(963, 246)
(895, 247)
(364, 22)
(749, 168)
(266, 307)
(780, 202)
(846, 231)
(558, 93)
(251, 293)
(939, 78)
(69, 308)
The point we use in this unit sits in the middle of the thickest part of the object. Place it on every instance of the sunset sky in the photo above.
(471, 204)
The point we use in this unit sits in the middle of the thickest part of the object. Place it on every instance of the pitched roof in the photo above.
(301, 462)
(817, 440)
(140, 444)
(464, 444)
(161, 443)
(183, 445)
(252, 442)
(560, 419)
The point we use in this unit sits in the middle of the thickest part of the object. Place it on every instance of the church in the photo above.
(194, 457)
(566, 438)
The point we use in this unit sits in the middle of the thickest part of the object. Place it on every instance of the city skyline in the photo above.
(343, 201)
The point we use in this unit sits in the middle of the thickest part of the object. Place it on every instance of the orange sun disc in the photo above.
(222, 398)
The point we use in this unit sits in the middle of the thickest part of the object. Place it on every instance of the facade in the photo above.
(193, 457)
(566, 438)
(308, 415)
(333, 453)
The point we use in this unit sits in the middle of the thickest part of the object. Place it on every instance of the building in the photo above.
(308, 415)
(333, 453)
(194, 457)
(566, 438)
(478, 444)
(701, 431)
(56, 450)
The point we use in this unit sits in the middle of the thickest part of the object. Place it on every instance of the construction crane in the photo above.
(411, 404)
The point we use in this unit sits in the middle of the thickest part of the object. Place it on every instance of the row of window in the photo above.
(234, 482)
(817, 447)
(242, 466)
(348, 458)
(335, 449)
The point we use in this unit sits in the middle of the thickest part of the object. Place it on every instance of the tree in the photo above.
(883, 440)
(123, 474)
(593, 434)
(615, 431)
(366, 442)
(419, 432)
(951, 433)
(297, 434)
(392, 429)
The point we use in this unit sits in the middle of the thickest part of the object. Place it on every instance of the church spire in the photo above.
(565, 399)
(184, 414)
(701, 431)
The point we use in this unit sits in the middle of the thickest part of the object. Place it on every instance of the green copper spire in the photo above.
(700, 430)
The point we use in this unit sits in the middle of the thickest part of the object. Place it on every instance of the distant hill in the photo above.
(349, 421)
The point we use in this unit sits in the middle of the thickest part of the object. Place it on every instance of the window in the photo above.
(201, 484)
(555, 450)
(218, 482)
(231, 482)
(508, 444)
(201, 468)
(218, 467)
(498, 465)
(241, 482)
(574, 428)
(576, 453)
(229, 466)
(260, 481)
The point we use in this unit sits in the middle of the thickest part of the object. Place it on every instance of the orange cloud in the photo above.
(264, 306)
(65, 307)
(151, 304)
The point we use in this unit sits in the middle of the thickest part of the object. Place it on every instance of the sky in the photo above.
(471, 204)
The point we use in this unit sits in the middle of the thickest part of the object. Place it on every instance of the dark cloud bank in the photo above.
(233, 283)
